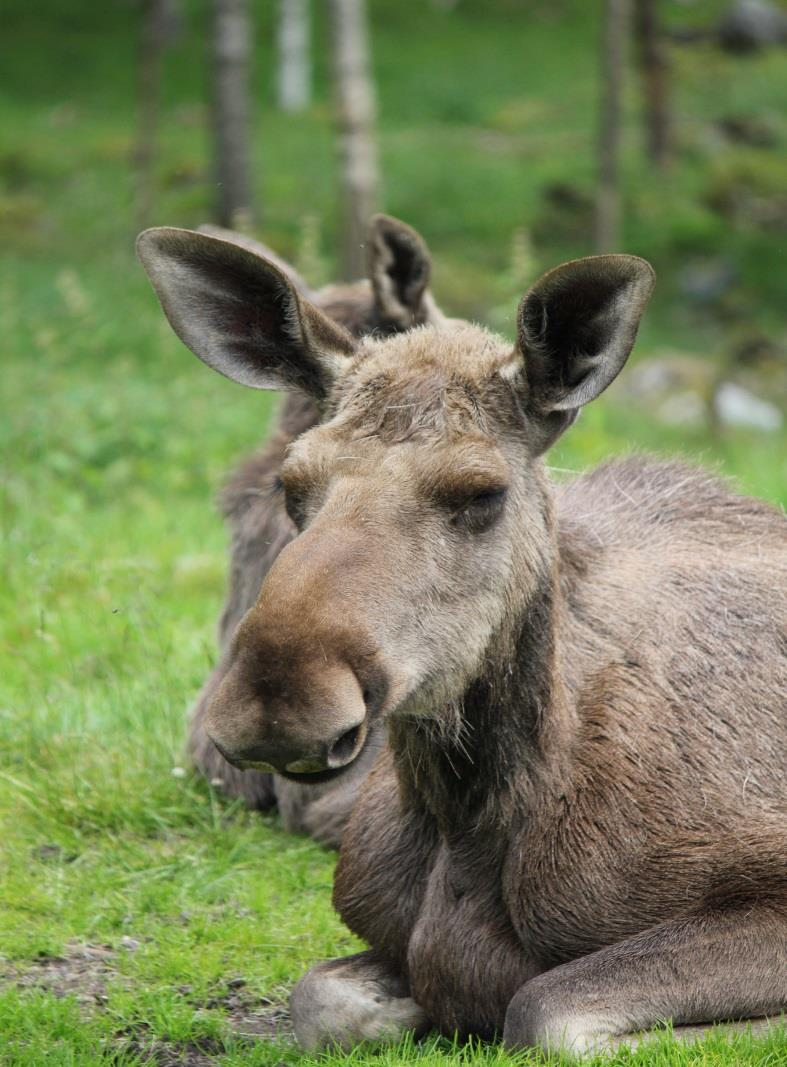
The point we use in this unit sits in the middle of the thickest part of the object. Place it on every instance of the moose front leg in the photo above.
(357, 998)
(714, 967)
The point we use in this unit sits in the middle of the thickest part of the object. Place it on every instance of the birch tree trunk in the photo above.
(231, 52)
(655, 74)
(613, 61)
(355, 112)
(294, 75)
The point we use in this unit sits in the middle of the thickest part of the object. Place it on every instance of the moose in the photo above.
(394, 298)
(576, 828)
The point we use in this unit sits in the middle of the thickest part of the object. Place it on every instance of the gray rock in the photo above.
(736, 406)
(750, 25)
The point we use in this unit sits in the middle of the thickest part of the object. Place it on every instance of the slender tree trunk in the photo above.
(160, 24)
(294, 76)
(231, 52)
(613, 62)
(355, 105)
(655, 74)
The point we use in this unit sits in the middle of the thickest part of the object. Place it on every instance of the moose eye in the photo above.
(294, 504)
(481, 511)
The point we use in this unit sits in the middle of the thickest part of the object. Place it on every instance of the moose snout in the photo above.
(306, 674)
(331, 755)
(314, 721)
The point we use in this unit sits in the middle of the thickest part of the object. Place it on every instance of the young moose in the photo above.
(578, 826)
(395, 298)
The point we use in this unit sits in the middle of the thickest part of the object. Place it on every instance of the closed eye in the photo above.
(481, 510)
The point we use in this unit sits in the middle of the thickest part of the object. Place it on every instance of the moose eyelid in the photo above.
(461, 498)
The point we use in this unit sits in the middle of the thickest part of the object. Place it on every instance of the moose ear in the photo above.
(262, 250)
(576, 328)
(242, 315)
(399, 269)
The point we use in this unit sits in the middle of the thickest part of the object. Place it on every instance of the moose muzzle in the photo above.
(304, 677)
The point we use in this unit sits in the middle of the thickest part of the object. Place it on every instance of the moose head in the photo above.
(424, 518)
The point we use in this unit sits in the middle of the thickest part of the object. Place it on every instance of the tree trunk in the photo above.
(613, 61)
(293, 73)
(355, 106)
(231, 52)
(655, 73)
(160, 24)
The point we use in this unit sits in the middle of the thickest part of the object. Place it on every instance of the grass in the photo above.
(134, 899)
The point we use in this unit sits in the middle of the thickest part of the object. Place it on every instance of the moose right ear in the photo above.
(399, 269)
(241, 314)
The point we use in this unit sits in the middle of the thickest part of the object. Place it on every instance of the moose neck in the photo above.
(506, 735)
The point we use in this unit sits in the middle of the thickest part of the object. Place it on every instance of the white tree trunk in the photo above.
(294, 74)
(231, 52)
(356, 112)
(613, 63)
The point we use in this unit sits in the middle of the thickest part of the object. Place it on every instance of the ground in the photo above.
(142, 918)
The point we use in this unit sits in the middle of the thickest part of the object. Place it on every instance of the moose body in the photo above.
(577, 828)
(633, 821)
(395, 298)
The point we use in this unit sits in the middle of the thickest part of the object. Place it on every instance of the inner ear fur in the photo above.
(577, 326)
(400, 267)
(575, 329)
(241, 314)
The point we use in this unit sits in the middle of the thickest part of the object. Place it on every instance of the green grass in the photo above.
(113, 441)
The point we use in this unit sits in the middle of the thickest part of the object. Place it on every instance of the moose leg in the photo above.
(719, 966)
(357, 998)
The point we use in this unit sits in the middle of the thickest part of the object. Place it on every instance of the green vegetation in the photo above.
(114, 440)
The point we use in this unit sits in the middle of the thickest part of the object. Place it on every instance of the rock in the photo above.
(736, 406)
(751, 25)
(683, 409)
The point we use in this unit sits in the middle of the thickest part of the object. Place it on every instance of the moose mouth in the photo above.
(317, 777)
(310, 770)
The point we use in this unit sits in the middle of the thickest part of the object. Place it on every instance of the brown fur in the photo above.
(260, 528)
(577, 829)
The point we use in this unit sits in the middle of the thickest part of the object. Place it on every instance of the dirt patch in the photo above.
(82, 973)
(250, 1016)
(174, 1053)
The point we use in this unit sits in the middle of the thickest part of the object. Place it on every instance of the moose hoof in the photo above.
(343, 1002)
(535, 1018)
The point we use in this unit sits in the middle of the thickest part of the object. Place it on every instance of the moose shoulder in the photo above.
(577, 829)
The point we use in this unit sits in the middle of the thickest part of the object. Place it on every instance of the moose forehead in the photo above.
(431, 384)
(443, 389)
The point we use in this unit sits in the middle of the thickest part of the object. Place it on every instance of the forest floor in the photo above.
(143, 919)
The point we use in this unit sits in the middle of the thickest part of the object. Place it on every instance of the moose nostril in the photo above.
(343, 749)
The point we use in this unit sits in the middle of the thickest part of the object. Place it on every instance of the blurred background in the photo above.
(513, 134)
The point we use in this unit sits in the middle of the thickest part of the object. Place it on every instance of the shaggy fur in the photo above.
(577, 827)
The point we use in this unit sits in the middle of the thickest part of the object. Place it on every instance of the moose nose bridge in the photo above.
(319, 579)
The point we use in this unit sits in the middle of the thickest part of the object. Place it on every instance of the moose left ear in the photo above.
(399, 269)
(576, 328)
